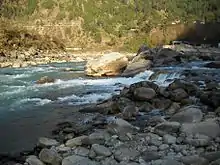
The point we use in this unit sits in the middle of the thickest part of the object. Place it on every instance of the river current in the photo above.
(29, 110)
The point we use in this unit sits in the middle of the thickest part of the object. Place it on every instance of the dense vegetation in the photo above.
(128, 21)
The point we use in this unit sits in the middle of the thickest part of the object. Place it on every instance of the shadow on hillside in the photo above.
(201, 33)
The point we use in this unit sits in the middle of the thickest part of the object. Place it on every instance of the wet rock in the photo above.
(96, 138)
(198, 140)
(194, 160)
(63, 149)
(167, 127)
(209, 128)
(78, 160)
(211, 98)
(129, 112)
(161, 103)
(109, 161)
(107, 65)
(81, 151)
(216, 162)
(154, 139)
(45, 79)
(215, 64)
(125, 154)
(50, 156)
(178, 94)
(163, 147)
(173, 108)
(149, 156)
(136, 66)
(75, 141)
(190, 88)
(101, 150)
(144, 94)
(211, 156)
(47, 142)
(33, 160)
(169, 139)
(189, 114)
(166, 162)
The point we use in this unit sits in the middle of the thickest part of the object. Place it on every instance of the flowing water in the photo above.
(29, 110)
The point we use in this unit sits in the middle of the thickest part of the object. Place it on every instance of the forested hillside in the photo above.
(127, 23)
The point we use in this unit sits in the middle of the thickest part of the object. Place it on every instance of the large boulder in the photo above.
(107, 65)
(136, 66)
(209, 128)
(189, 114)
(144, 94)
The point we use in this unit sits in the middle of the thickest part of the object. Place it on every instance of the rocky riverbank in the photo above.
(115, 64)
(145, 124)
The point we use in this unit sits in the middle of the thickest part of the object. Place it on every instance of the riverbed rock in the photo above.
(50, 156)
(194, 160)
(129, 112)
(144, 94)
(169, 139)
(33, 160)
(209, 128)
(101, 150)
(111, 64)
(215, 64)
(47, 142)
(190, 88)
(125, 154)
(78, 160)
(45, 79)
(136, 66)
(178, 94)
(75, 141)
(167, 128)
(189, 114)
(211, 98)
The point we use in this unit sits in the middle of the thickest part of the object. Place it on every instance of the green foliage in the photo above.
(48, 4)
(32, 5)
(118, 17)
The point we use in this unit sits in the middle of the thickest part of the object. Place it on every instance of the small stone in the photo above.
(198, 141)
(216, 162)
(194, 159)
(109, 161)
(125, 154)
(163, 147)
(101, 150)
(169, 139)
(153, 148)
(33, 160)
(75, 141)
(81, 151)
(62, 149)
(78, 160)
(92, 154)
(95, 138)
(167, 128)
(144, 94)
(50, 156)
(155, 139)
(149, 156)
(46, 142)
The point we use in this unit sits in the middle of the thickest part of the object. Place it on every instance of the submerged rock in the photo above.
(45, 79)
